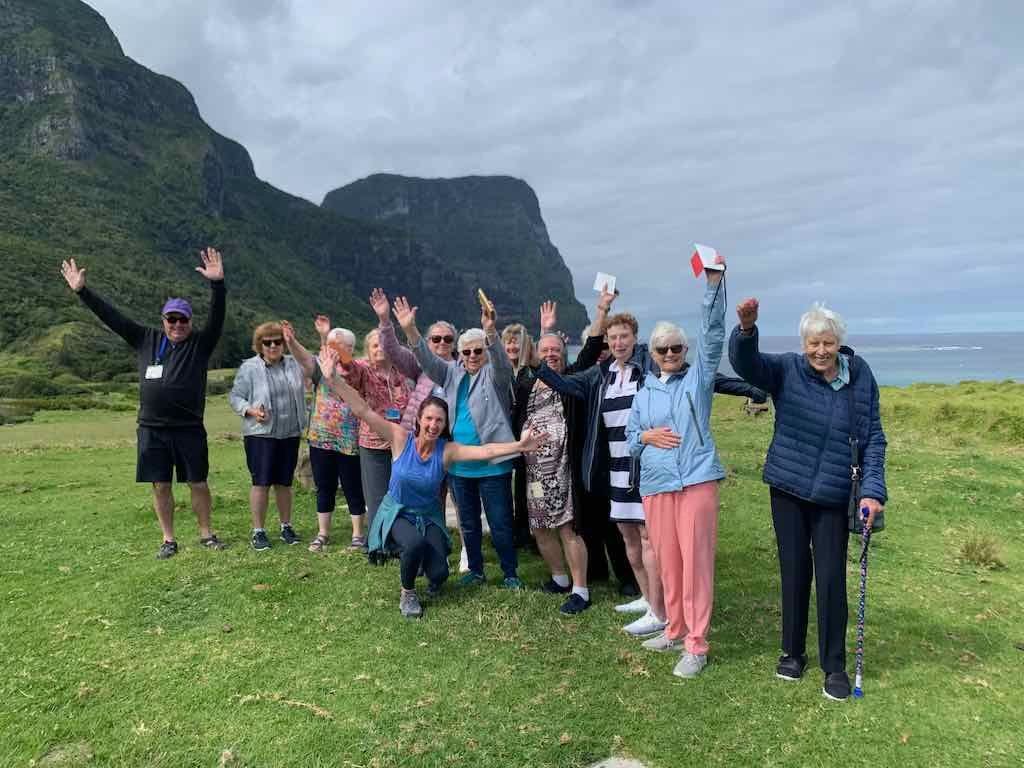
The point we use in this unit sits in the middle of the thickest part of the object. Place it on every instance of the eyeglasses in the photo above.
(675, 349)
(475, 352)
(272, 342)
(439, 339)
(177, 319)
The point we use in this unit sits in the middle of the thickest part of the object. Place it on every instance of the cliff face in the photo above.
(103, 160)
(483, 231)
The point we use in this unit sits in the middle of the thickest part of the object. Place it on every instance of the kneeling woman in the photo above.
(410, 521)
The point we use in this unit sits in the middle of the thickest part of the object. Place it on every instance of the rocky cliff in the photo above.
(484, 231)
(109, 162)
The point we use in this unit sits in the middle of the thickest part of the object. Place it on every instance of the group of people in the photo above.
(608, 459)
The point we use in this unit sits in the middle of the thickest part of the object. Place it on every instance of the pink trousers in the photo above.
(683, 528)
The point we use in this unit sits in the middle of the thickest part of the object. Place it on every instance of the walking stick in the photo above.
(858, 692)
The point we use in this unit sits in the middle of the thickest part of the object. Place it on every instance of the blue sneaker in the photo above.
(512, 582)
(471, 579)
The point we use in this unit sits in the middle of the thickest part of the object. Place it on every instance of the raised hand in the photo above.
(74, 276)
(288, 333)
(604, 301)
(405, 314)
(379, 302)
(747, 312)
(322, 324)
(714, 276)
(548, 316)
(213, 266)
(661, 437)
(531, 441)
(328, 361)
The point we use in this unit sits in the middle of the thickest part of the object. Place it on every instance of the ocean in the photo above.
(945, 358)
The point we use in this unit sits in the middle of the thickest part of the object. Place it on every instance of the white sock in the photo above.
(259, 530)
(582, 592)
(560, 579)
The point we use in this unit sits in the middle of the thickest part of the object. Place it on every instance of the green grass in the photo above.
(283, 658)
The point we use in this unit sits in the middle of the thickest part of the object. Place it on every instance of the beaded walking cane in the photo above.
(858, 692)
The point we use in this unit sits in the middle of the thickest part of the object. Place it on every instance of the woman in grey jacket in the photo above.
(269, 395)
(478, 390)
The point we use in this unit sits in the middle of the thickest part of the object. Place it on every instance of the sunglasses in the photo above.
(177, 319)
(445, 339)
(474, 352)
(675, 349)
(272, 342)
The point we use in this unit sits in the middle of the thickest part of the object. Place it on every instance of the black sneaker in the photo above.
(434, 589)
(552, 587)
(837, 686)
(288, 535)
(629, 589)
(212, 542)
(575, 604)
(791, 668)
(167, 550)
(260, 541)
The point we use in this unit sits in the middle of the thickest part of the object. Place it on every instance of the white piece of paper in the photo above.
(154, 372)
(708, 257)
(604, 282)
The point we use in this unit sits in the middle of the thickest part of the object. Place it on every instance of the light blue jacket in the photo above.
(684, 404)
(252, 386)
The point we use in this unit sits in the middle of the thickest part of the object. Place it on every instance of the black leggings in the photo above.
(329, 468)
(428, 551)
(812, 543)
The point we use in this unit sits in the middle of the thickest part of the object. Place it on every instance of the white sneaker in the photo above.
(648, 624)
(639, 605)
(690, 665)
(464, 561)
(662, 642)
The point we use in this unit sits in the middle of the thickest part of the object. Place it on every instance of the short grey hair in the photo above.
(441, 324)
(553, 335)
(665, 331)
(344, 335)
(821, 319)
(470, 335)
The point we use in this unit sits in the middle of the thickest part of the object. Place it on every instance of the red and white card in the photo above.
(705, 257)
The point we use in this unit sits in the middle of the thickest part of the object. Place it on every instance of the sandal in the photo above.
(318, 543)
(358, 544)
(212, 542)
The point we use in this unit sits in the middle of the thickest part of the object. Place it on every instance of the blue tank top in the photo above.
(414, 482)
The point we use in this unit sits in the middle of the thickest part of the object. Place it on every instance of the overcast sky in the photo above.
(868, 154)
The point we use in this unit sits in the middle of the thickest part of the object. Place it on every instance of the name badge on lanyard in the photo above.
(156, 370)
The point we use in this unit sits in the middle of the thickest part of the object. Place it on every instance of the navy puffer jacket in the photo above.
(809, 456)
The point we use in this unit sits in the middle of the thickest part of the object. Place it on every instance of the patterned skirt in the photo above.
(548, 478)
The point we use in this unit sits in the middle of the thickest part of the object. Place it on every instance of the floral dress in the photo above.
(548, 479)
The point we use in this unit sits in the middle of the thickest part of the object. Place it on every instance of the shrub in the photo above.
(982, 550)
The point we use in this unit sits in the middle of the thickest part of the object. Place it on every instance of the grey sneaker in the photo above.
(409, 605)
(690, 665)
(662, 642)
(167, 550)
(288, 535)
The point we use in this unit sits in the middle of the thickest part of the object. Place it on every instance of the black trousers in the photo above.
(601, 535)
(331, 468)
(417, 550)
(812, 543)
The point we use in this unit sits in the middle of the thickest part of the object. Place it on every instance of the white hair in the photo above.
(820, 319)
(553, 335)
(665, 332)
(470, 335)
(344, 335)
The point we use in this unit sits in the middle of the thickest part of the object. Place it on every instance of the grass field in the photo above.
(288, 659)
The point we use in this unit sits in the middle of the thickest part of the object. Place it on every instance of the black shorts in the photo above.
(162, 450)
(271, 460)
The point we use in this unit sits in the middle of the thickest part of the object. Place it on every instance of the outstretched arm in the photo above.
(127, 329)
(530, 441)
(392, 433)
(299, 352)
(573, 384)
(401, 357)
(760, 369)
(711, 340)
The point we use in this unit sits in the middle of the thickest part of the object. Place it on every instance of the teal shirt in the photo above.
(464, 432)
(842, 374)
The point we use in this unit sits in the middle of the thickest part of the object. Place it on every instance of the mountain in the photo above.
(487, 231)
(109, 162)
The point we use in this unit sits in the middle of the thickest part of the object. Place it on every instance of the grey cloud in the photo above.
(866, 154)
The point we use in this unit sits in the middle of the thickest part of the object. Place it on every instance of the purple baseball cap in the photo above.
(181, 306)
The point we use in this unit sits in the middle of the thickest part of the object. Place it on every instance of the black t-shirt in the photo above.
(178, 397)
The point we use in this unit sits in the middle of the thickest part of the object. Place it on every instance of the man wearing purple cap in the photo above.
(172, 364)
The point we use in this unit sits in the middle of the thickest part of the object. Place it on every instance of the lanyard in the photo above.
(160, 352)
